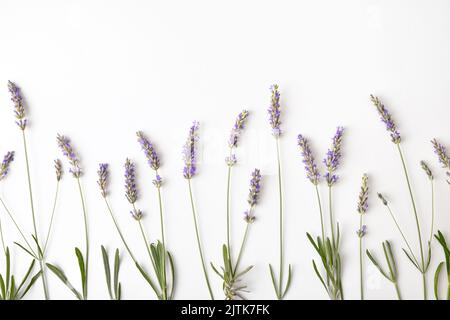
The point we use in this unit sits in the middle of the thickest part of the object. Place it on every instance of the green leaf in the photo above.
(60, 274)
(25, 278)
(12, 291)
(26, 250)
(436, 279)
(288, 283)
(375, 262)
(216, 271)
(149, 280)
(319, 276)
(116, 274)
(82, 267)
(8, 269)
(41, 254)
(172, 271)
(272, 275)
(107, 270)
(2, 287)
(411, 259)
(32, 282)
(313, 243)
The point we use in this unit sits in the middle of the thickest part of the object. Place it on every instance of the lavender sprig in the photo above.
(237, 129)
(363, 196)
(19, 109)
(190, 152)
(149, 150)
(4, 168)
(130, 182)
(67, 150)
(427, 170)
(58, 169)
(387, 119)
(253, 195)
(103, 178)
(361, 232)
(274, 111)
(332, 158)
(308, 159)
(443, 157)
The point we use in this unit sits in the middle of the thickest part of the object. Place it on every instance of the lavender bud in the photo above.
(427, 170)
(255, 188)
(237, 129)
(190, 152)
(333, 156)
(274, 111)
(383, 199)
(4, 168)
(130, 181)
(231, 160)
(103, 178)
(362, 232)
(19, 109)
(58, 169)
(363, 195)
(157, 182)
(66, 148)
(387, 119)
(149, 150)
(441, 152)
(249, 216)
(136, 214)
(308, 159)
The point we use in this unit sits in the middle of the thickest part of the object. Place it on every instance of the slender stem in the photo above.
(330, 207)
(280, 192)
(361, 278)
(244, 240)
(194, 214)
(1, 237)
(18, 228)
(85, 230)
(432, 212)
(51, 219)
(321, 213)
(228, 206)
(415, 215)
(161, 221)
(397, 290)
(147, 243)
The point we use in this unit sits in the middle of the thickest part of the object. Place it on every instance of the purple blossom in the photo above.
(237, 129)
(274, 111)
(157, 182)
(130, 181)
(363, 195)
(255, 188)
(67, 150)
(103, 178)
(231, 160)
(19, 109)
(362, 232)
(149, 150)
(4, 168)
(332, 158)
(190, 152)
(387, 119)
(441, 152)
(58, 169)
(308, 159)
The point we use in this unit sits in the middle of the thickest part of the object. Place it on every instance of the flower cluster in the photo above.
(253, 196)
(130, 181)
(67, 150)
(149, 150)
(190, 152)
(308, 159)
(441, 152)
(387, 119)
(103, 178)
(363, 195)
(333, 156)
(19, 109)
(427, 170)
(4, 168)
(274, 111)
(237, 129)
(58, 169)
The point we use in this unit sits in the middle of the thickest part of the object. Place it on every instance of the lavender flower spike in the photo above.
(441, 152)
(362, 232)
(427, 170)
(67, 150)
(308, 159)
(130, 181)
(363, 195)
(387, 119)
(190, 152)
(333, 156)
(103, 178)
(19, 109)
(58, 169)
(253, 197)
(274, 111)
(237, 128)
(4, 168)
(149, 150)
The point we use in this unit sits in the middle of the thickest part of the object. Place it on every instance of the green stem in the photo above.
(432, 212)
(86, 234)
(51, 219)
(147, 243)
(194, 214)
(281, 216)
(321, 213)
(228, 206)
(397, 290)
(241, 250)
(161, 221)
(361, 278)
(415, 215)
(330, 205)
(1, 237)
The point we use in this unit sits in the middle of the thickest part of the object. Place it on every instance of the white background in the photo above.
(98, 71)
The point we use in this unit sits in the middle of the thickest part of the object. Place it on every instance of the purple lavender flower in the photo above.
(274, 111)
(237, 129)
(308, 159)
(103, 178)
(387, 119)
(67, 150)
(130, 181)
(19, 109)
(255, 188)
(58, 169)
(149, 150)
(190, 152)
(157, 182)
(332, 158)
(231, 160)
(441, 152)
(362, 232)
(363, 195)
(4, 168)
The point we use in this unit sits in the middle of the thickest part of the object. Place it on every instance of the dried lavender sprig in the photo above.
(4, 168)
(149, 150)
(441, 152)
(58, 169)
(427, 170)
(274, 111)
(190, 152)
(19, 109)
(361, 232)
(308, 159)
(387, 119)
(67, 150)
(253, 196)
(103, 178)
(237, 129)
(332, 158)
(363, 196)
(130, 182)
